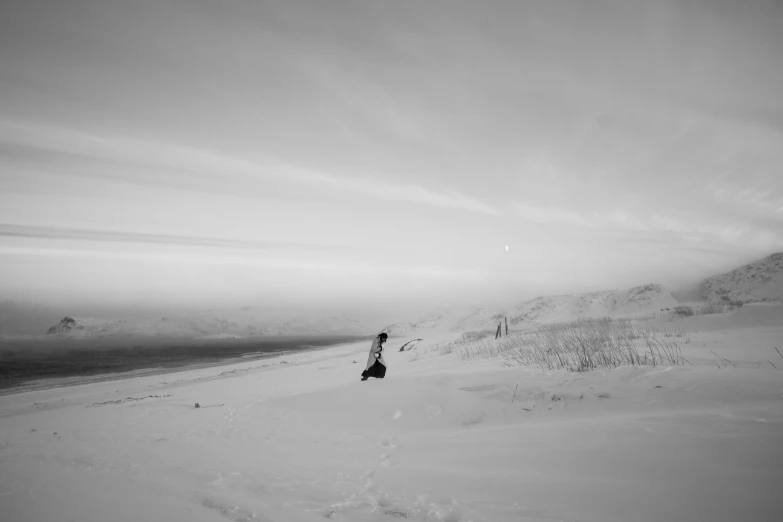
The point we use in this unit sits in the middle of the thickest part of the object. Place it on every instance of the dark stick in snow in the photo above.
(402, 348)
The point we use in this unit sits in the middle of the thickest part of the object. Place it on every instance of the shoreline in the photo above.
(153, 363)
(79, 380)
(267, 434)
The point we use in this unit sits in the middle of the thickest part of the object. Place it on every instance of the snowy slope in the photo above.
(480, 319)
(444, 319)
(631, 302)
(300, 438)
(758, 281)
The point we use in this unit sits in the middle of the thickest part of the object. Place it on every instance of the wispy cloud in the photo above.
(124, 149)
(23, 231)
(759, 199)
(277, 264)
(547, 215)
(615, 218)
(218, 165)
(697, 228)
(395, 192)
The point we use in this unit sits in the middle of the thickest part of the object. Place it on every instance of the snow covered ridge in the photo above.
(638, 301)
(758, 281)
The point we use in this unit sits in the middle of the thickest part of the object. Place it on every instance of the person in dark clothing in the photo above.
(376, 366)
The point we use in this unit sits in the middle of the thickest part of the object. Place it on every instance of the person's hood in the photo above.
(375, 348)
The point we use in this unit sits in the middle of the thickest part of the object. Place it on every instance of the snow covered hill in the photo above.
(630, 302)
(758, 281)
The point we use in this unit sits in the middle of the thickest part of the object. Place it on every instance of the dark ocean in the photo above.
(23, 363)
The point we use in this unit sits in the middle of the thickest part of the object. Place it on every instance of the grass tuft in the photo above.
(705, 309)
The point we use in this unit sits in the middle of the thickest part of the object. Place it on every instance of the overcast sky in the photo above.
(360, 153)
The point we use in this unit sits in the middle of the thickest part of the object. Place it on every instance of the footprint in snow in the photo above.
(235, 514)
(387, 461)
(369, 504)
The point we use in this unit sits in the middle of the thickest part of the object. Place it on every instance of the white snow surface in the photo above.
(629, 302)
(300, 438)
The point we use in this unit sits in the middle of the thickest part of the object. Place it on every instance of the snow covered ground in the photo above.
(299, 438)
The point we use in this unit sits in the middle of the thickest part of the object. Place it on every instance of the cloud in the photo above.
(679, 226)
(757, 199)
(216, 165)
(332, 268)
(123, 149)
(395, 192)
(23, 231)
(616, 218)
(550, 215)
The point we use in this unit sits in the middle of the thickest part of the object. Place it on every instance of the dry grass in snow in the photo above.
(704, 309)
(581, 346)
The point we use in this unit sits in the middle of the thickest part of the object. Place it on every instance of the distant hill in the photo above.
(758, 281)
(630, 302)
(233, 324)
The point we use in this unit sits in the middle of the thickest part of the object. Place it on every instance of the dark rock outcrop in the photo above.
(67, 324)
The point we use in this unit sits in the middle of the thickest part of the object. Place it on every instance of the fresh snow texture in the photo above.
(300, 438)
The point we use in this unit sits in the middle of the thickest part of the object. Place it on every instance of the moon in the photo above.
(506, 248)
